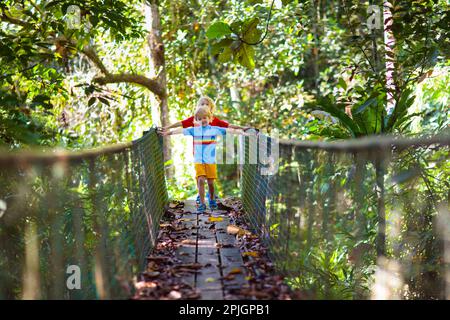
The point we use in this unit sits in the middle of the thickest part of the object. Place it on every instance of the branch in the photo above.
(151, 84)
(92, 55)
(4, 17)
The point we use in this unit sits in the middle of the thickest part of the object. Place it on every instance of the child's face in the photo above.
(203, 121)
(204, 104)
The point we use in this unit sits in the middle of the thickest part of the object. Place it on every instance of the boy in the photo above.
(204, 102)
(204, 153)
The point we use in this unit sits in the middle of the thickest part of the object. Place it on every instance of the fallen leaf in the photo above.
(210, 280)
(235, 230)
(189, 241)
(175, 295)
(145, 284)
(152, 266)
(157, 258)
(215, 219)
(235, 271)
(227, 245)
(229, 277)
(253, 254)
(194, 266)
(186, 270)
(165, 225)
(152, 274)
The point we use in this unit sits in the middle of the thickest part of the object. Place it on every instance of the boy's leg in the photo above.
(201, 188)
(211, 175)
(200, 174)
(211, 188)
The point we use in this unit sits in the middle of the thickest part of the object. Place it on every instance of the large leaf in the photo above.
(219, 46)
(327, 104)
(246, 56)
(226, 55)
(401, 108)
(367, 103)
(217, 30)
(250, 32)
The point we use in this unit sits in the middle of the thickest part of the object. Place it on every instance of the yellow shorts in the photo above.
(206, 169)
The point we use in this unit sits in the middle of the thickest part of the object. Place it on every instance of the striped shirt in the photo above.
(204, 142)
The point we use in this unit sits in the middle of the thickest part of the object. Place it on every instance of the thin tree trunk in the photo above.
(315, 49)
(389, 42)
(158, 65)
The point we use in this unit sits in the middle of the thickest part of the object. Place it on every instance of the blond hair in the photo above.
(211, 104)
(202, 112)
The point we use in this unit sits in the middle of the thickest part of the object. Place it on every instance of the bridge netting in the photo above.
(355, 219)
(91, 213)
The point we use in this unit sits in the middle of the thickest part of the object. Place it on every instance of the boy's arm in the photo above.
(172, 126)
(240, 132)
(235, 126)
(172, 132)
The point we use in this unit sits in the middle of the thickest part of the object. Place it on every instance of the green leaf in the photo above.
(217, 30)
(104, 101)
(341, 83)
(217, 47)
(41, 98)
(226, 55)
(368, 102)
(236, 25)
(246, 56)
(250, 31)
(327, 104)
(91, 101)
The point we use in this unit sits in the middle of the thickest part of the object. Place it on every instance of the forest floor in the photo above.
(209, 256)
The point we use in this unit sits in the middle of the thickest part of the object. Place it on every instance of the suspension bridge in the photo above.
(365, 218)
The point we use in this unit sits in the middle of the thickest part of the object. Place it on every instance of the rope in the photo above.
(368, 143)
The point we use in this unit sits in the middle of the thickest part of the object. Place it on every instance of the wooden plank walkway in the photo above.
(221, 267)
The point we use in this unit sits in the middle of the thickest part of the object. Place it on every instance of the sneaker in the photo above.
(197, 201)
(201, 208)
(213, 204)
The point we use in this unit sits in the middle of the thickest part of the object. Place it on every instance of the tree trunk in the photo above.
(315, 49)
(389, 43)
(158, 65)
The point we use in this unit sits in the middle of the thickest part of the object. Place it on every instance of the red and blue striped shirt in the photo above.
(204, 142)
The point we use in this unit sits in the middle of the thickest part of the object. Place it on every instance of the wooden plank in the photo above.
(211, 294)
(187, 250)
(230, 257)
(231, 261)
(209, 279)
(203, 247)
(223, 237)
